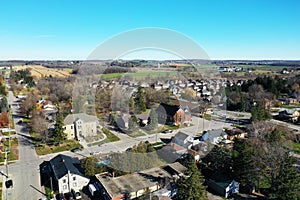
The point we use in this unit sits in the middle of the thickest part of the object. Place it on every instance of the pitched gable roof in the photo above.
(182, 136)
(170, 110)
(221, 179)
(70, 119)
(61, 164)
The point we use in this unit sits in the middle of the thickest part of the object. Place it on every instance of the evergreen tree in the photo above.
(153, 120)
(190, 187)
(140, 101)
(243, 164)
(287, 183)
(131, 105)
(59, 134)
(133, 124)
(88, 165)
(219, 159)
(4, 105)
(258, 113)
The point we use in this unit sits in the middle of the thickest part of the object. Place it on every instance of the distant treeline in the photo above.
(99, 69)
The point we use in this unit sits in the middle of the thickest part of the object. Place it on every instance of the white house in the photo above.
(65, 173)
(184, 140)
(214, 135)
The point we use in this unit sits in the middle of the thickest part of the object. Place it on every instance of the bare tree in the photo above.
(29, 103)
(39, 125)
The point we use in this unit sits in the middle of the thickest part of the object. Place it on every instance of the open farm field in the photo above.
(39, 71)
(140, 75)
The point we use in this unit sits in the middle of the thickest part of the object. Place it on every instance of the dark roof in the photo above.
(221, 179)
(170, 110)
(234, 131)
(61, 164)
(182, 136)
(190, 105)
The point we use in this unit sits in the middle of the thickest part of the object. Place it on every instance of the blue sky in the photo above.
(72, 29)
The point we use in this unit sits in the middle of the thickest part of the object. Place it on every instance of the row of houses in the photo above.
(291, 115)
(64, 174)
(176, 115)
(202, 88)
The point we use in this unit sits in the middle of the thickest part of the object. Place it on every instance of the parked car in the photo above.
(69, 196)
(9, 184)
(60, 197)
(76, 149)
(76, 194)
(95, 153)
(167, 131)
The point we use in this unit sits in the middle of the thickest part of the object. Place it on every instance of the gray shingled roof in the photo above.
(70, 119)
(61, 164)
(181, 135)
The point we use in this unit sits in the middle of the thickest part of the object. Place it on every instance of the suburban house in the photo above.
(171, 152)
(63, 173)
(80, 125)
(214, 135)
(288, 101)
(289, 114)
(122, 120)
(195, 154)
(235, 133)
(140, 183)
(223, 185)
(184, 140)
(173, 114)
(267, 104)
(47, 108)
(143, 119)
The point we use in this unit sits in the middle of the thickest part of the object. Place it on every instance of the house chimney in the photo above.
(113, 174)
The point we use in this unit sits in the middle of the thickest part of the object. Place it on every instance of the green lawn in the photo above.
(169, 127)
(140, 75)
(89, 139)
(296, 147)
(13, 153)
(136, 134)
(0, 190)
(110, 137)
(43, 149)
(26, 120)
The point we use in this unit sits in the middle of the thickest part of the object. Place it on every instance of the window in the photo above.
(64, 180)
(75, 184)
(71, 127)
(64, 187)
(74, 178)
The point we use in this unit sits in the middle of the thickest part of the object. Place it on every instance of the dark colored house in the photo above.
(173, 114)
(223, 185)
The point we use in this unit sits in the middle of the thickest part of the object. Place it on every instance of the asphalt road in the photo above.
(25, 172)
(126, 142)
